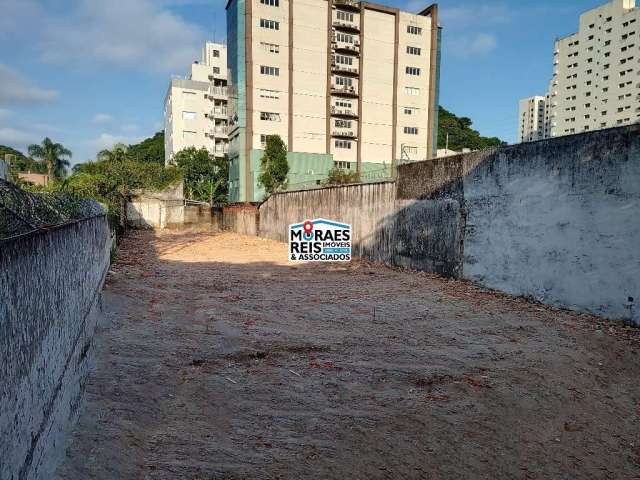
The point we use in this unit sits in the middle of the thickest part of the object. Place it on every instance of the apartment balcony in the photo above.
(345, 47)
(218, 112)
(343, 112)
(347, 4)
(345, 90)
(346, 25)
(344, 69)
(218, 92)
(221, 131)
(220, 149)
(343, 133)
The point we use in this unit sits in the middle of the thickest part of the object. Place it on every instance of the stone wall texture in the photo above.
(556, 220)
(50, 285)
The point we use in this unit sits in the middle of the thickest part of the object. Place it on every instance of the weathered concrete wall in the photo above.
(241, 218)
(49, 305)
(556, 220)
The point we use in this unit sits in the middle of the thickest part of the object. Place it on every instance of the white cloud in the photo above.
(102, 118)
(17, 138)
(16, 89)
(106, 141)
(470, 45)
(140, 33)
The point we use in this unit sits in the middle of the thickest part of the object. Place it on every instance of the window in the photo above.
(188, 135)
(270, 47)
(347, 16)
(270, 24)
(216, 69)
(413, 50)
(271, 3)
(412, 29)
(343, 59)
(188, 115)
(344, 37)
(343, 144)
(342, 123)
(266, 93)
(343, 165)
(263, 140)
(270, 116)
(265, 70)
(344, 81)
(410, 110)
(216, 53)
(411, 130)
(188, 93)
(412, 91)
(343, 103)
(412, 71)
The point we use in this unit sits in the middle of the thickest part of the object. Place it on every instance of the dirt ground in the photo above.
(218, 360)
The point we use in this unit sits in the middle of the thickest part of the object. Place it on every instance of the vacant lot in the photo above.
(218, 360)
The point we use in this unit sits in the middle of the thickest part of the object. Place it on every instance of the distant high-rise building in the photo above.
(196, 106)
(596, 81)
(345, 84)
(532, 119)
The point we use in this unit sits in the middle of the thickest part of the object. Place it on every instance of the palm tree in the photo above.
(53, 156)
(118, 153)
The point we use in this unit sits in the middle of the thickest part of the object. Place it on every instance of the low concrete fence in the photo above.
(555, 220)
(50, 285)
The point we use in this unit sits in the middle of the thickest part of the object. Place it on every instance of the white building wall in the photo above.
(595, 81)
(196, 106)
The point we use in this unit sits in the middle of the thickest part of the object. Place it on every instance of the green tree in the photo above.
(205, 176)
(118, 153)
(460, 133)
(339, 176)
(149, 150)
(273, 165)
(54, 155)
(20, 162)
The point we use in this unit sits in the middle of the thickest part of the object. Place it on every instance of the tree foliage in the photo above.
(113, 177)
(20, 162)
(150, 150)
(273, 165)
(205, 176)
(461, 135)
(339, 176)
(54, 155)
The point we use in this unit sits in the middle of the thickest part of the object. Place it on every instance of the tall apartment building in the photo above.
(344, 83)
(195, 112)
(532, 123)
(596, 81)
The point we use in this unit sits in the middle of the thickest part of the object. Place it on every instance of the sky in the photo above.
(91, 73)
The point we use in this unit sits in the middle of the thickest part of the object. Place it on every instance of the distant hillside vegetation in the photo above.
(22, 163)
(461, 135)
(150, 150)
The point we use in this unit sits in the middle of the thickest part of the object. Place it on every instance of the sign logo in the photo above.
(320, 240)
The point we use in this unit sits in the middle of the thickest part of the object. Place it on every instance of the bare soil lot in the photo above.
(218, 360)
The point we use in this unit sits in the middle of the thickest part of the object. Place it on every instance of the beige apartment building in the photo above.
(533, 119)
(596, 81)
(344, 83)
(195, 110)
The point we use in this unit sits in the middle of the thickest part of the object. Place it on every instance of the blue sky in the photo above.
(89, 73)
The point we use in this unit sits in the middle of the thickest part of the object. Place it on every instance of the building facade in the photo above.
(595, 82)
(533, 119)
(343, 83)
(195, 110)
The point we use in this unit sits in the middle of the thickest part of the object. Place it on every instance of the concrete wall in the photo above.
(555, 220)
(241, 218)
(50, 301)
